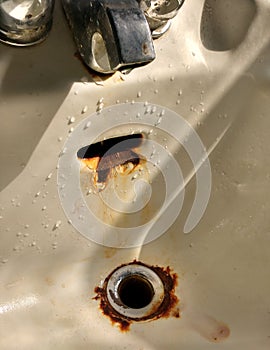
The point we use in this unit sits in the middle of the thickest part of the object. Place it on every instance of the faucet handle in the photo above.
(126, 33)
(110, 34)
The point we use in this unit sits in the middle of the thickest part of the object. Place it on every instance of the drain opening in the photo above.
(104, 156)
(135, 292)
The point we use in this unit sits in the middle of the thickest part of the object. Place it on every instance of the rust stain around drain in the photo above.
(168, 308)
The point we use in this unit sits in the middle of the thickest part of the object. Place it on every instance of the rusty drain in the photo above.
(137, 292)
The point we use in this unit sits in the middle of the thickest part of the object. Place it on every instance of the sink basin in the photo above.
(216, 89)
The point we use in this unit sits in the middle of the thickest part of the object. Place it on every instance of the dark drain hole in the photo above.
(136, 292)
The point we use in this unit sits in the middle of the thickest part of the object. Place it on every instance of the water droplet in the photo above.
(33, 244)
(25, 234)
(71, 130)
(49, 176)
(57, 224)
(60, 138)
(18, 234)
(154, 109)
(26, 226)
(1, 217)
(172, 78)
(44, 208)
(180, 92)
(158, 121)
(71, 120)
(100, 105)
(139, 94)
(156, 91)
(134, 176)
(87, 125)
(178, 102)
(147, 109)
(62, 152)
(4, 261)
(84, 110)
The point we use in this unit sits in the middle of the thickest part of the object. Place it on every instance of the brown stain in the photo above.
(109, 252)
(104, 156)
(209, 328)
(221, 333)
(49, 281)
(168, 307)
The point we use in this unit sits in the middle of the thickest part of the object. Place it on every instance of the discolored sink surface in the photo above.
(49, 270)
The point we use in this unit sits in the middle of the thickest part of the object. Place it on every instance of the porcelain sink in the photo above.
(208, 81)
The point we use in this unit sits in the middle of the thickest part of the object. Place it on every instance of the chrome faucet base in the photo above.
(25, 37)
(25, 23)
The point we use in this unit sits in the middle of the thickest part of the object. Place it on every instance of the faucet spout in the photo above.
(110, 34)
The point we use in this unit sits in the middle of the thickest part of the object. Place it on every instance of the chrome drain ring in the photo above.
(135, 291)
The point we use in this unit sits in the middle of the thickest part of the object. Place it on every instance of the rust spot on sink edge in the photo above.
(168, 307)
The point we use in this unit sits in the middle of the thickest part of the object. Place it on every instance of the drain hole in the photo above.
(135, 292)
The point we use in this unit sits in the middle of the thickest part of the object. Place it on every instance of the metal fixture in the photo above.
(114, 34)
(135, 291)
(110, 33)
(159, 14)
(25, 22)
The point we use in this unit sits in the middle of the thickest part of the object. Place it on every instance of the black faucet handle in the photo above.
(110, 34)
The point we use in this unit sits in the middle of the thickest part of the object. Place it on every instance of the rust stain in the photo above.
(102, 158)
(168, 307)
(221, 333)
(49, 281)
(209, 328)
(110, 252)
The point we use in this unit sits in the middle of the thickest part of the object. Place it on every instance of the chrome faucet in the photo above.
(111, 34)
(25, 22)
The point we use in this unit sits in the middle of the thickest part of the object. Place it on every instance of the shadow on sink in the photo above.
(34, 83)
(225, 24)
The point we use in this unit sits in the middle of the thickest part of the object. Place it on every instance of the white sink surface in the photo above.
(221, 86)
